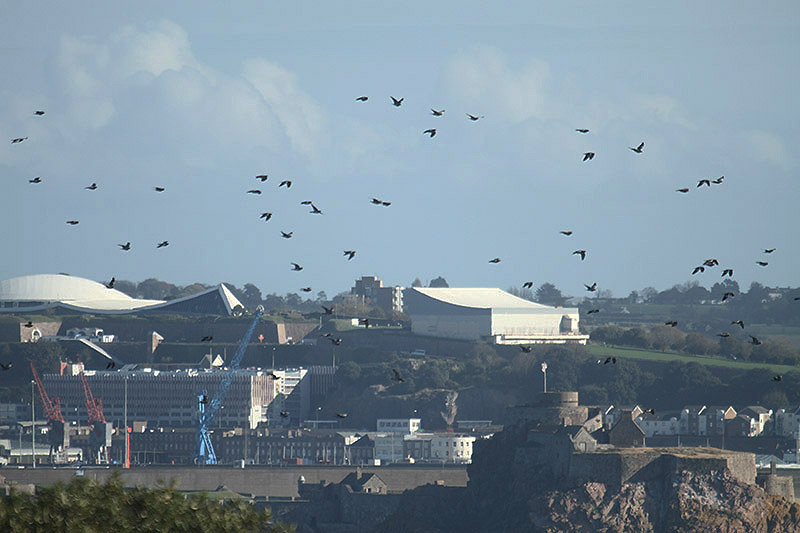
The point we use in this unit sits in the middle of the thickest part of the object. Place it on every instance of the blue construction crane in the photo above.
(208, 409)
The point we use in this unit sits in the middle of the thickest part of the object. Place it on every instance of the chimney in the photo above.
(358, 472)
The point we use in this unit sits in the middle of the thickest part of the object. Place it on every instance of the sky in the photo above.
(200, 97)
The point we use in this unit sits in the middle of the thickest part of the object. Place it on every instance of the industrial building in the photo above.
(29, 294)
(491, 315)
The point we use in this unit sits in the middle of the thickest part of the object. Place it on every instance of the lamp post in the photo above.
(544, 371)
(33, 426)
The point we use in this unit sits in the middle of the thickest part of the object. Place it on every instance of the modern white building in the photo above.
(399, 425)
(452, 448)
(489, 314)
(654, 425)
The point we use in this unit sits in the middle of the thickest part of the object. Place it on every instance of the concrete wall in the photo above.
(256, 480)
(545, 322)
(452, 326)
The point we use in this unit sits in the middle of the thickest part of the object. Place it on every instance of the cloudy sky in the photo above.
(200, 97)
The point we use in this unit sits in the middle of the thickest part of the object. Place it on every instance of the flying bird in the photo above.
(710, 262)
(397, 377)
(350, 254)
(671, 323)
(754, 340)
(527, 285)
(386, 204)
(29, 324)
(769, 250)
(204, 399)
(638, 149)
(396, 102)
(612, 360)
(704, 182)
(126, 246)
(436, 113)
(207, 338)
(762, 263)
(431, 132)
(337, 341)
(266, 216)
(306, 289)
(592, 287)
(159, 189)
(284, 414)
(727, 272)
(698, 269)
(315, 210)
(650, 411)
(362, 98)
(526, 349)
(777, 378)
(581, 130)
(727, 295)
(6, 366)
(718, 180)
(328, 310)
(73, 222)
(254, 191)
(588, 156)
(92, 187)
(110, 284)
(473, 118)
(288, 184)
(306, 202)
(296, 267)
(162, 244)
(341, 415)
(739, 323)
(262, 177)
(581, 253)
(364, 321)
(38, 113)
(111, 364)
(287, 235)
(724, 335)
(684, 190)
(37, 179)
(18, 140)
(376, 201)
(592, 311)
(495, 260)
(567, 233)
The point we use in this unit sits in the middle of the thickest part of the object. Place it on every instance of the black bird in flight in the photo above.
(567, 233)
(738, 322)
(162, 244)
(273, 375)
(328, 310)
(727, 295)
(305, 202)
(638, 149)
(204, 399)
(306, 289)
(376, 201)
(762, 263)
(581, 253)
(207, 338)
(495, 260)
(612, 360)
(727, 272)
(710, 262)
(671, 323)
(29, 324)
(326, 334)
(698, 269)
(284, 414)
(159, 189)
(110, 284)
(396, 102)
(777, 378)
(315, 210)
(126, 246)
(588, 156)
(436, 113)
(350, 254)
(288, 184)
(473, 118)
(592, 311)
(18, 140)
(296, 267)
(364, 321)
(592, 287)
(769, 250)
(38, 113)
(254, 191)
(684, 190)
(704, 182)
(92, 187)
(718, 180)
(266, 216)
(287, 235)
(431, 132)
(73, 222)
(386, 204)
(581, 130)
(527, 285)
(337, 341)
(724, 335)
(111, 364)
(526, 349)
(262, 177)
(754, 340)
(362, 98)
(397, 377)
(650, 411)
(6, 366)
(37, 179)
(341, 415)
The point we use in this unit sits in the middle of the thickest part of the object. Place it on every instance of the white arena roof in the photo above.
(480, 298)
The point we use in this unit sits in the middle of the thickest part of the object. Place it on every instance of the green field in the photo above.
(666, 357)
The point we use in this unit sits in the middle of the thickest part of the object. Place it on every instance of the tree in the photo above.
(127, 287)
(153, 289)
(322, 297)
(348, 371)
(547, 293)
(697, 343)
(525, 293)
(635, 337)
(438, 282)
(416, 283)
(664, 337)
(252, 295)
(647, 294)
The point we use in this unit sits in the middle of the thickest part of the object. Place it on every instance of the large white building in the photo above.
(492, 315)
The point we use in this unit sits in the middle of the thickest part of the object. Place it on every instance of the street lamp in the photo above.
(544, 371)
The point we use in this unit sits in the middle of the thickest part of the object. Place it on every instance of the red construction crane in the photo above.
(52, 409)
(94, 406)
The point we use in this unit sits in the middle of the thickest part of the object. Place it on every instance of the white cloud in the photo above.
(767, 147)
(482, 77)
(663, 108)
(163, 46)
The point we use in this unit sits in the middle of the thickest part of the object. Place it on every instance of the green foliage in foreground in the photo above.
(87, 506)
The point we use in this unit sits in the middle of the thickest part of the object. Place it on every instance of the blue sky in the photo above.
(200, 98)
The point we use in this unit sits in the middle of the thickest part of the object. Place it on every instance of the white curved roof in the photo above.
(72, 290)
(479, 298)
